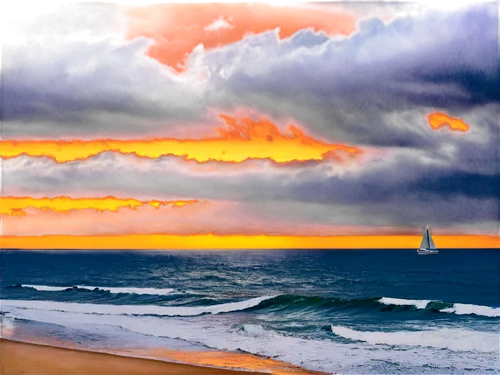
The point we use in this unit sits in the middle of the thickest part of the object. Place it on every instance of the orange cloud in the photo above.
(440, 121)
(178, 29)
(337, 163)
(239, 135)
(15, 205)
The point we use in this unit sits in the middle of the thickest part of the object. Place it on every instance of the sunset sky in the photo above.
(250, 125)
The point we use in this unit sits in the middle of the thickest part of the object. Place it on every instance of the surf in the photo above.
(383, 304)
(114, 290)
(455, 339)
(293, 302)
(444, 307)
(105, 309)
(221, 332)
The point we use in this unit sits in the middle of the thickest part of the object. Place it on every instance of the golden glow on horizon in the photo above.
(208, 241)
(438, 120)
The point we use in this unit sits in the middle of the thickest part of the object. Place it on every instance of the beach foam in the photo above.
(221, 332)
(455, 339)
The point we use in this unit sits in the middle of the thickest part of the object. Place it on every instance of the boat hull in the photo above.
(427, 252)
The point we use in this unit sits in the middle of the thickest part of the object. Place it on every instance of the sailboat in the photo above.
(427, 245)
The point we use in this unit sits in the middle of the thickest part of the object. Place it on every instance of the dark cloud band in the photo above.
(403, 190)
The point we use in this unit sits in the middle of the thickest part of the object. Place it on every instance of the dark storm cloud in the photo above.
(405, 198)
(346, 87)
(371, 89)
(71, 73)
(167, 177)
(71, 88)
(395, 189)
(374, 87)
(310, 73)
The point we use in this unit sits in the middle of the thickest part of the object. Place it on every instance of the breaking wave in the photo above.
(103, 309)
(149, 291)
(224, 332)
(284, 302)
(218, 332)
(388, 304)
(444, 307)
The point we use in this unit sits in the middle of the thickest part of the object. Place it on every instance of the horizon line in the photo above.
(249, 249)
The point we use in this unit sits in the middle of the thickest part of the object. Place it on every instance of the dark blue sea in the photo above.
(353, 311)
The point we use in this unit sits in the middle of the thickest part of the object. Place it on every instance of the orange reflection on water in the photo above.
(231, 360)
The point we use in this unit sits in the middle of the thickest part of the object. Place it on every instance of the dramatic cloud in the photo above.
(169, 176)
(375, 86)
(383, 79)
(407, 189)
(81, 88)
(395, 109)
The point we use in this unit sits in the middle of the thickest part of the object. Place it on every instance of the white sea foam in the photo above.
(89, 308)
(467, 309)
(418, 303)
(221, 332)
(45, 288)
(150, 291)
(455, 339)
(457, 308)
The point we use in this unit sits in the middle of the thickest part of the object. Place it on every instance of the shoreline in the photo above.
(18, 357)
(29, 358)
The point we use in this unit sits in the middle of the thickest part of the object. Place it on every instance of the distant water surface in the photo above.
(352, 311)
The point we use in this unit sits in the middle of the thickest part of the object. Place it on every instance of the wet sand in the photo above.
(32, 359)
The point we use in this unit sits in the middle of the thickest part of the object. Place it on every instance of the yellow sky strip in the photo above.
(439, 119)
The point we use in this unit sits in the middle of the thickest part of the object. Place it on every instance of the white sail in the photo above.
(432, 246)
(427, 245)
(423, 244)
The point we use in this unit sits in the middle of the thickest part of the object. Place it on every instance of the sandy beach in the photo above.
(22, 358)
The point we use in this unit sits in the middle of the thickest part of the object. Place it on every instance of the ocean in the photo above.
(342, 311)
